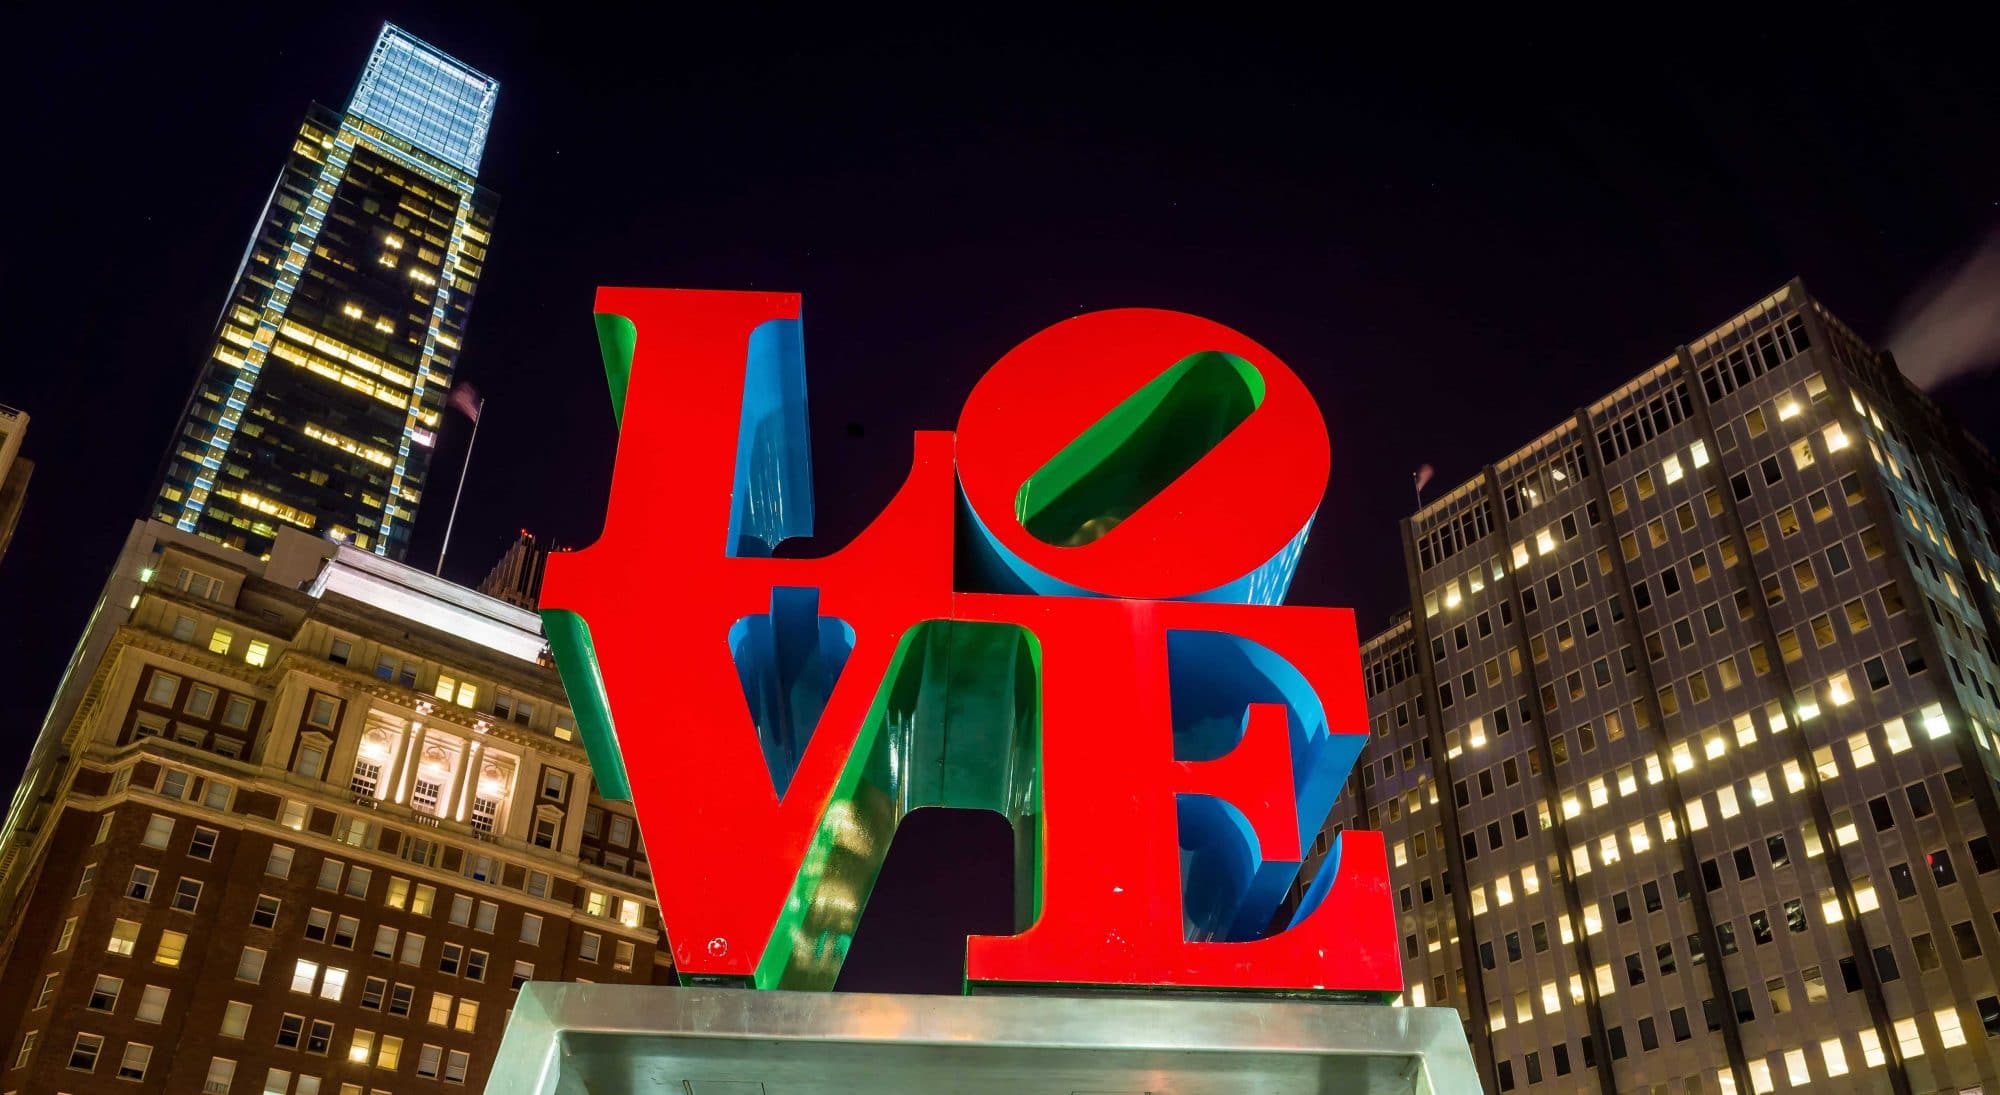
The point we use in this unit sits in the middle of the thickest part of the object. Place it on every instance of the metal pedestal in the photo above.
(567, 1039)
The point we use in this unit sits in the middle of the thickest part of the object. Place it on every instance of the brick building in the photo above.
(302, 825)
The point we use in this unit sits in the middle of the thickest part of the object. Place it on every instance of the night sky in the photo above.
(1456, 233)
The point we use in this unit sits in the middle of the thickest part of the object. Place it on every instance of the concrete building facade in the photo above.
(15, 470)
(1684, 751)
(302, 825)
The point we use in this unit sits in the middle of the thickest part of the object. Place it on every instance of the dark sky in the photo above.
(1455, 232)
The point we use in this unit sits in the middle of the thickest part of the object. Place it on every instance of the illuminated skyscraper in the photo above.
(1685, 752)
(319, 400)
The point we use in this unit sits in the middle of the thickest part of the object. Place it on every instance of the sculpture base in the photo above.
(569, 1039)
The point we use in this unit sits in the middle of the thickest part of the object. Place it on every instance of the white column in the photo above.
(406, 762)
(468, 775)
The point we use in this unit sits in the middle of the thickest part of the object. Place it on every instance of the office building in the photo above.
(14, 472)
(1684, 751)
(318, 403)
(517, 577)
(301, 824)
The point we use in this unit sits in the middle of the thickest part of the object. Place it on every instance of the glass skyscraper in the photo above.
(320, 399)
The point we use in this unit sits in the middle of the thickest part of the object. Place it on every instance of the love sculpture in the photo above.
(1069, 614)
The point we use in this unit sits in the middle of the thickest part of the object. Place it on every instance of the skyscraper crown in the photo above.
(427, 97)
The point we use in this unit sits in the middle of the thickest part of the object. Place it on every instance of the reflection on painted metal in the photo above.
(1069, 614)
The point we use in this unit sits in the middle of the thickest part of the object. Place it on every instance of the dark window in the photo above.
(1741, 999)
(1506, 1075)
(1534, 1063)
(1649, 1035)
(1773, 472)
(1540, 931)
(1760, 927)
(1485, 954)
(1739, 484)
(1941, 868)
(1642, 595)
(1561, 1053)
(1920, 799)
(1903, 880)
(1885, 964)
(1651, 891)
(1616, 1037)
(1989, 1015)
(1725, 938)
(1850, 974)
(1878, 808)
(1775, 846)
(1746, 866)
(1635, 970)
(1678, 1019)
(1513, 946)
(1712, 1015)
(1982, 854)
(1878, 674)
(1913, 659)
(1711, 875)
(1664, 955)
(1966, 938)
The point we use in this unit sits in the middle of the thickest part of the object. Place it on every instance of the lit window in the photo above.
(124, 937)
(1858, 748)
(1671, 468)
(1909, 1040)
(1950, 1031)
(218, 642)
(1871, 1048)
(1864, 894)
(257, 652)
(1698, 452)
(235, 1019)
(1835, 1056)
(1788, 409)
(1836, 438)
(172, 946)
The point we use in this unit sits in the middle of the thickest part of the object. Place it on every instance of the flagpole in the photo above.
(460, 492)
